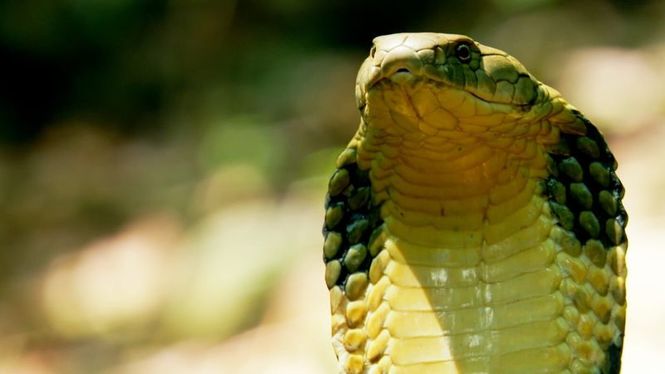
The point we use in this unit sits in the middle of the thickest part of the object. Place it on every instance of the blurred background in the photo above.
(163, 165)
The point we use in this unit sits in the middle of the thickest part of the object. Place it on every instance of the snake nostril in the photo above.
(402, 70)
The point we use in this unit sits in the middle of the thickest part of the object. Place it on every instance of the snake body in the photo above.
(474, 222)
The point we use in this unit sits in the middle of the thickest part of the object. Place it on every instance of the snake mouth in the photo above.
(404, 102)
(416, 92)
(407, 82)
(405, 77)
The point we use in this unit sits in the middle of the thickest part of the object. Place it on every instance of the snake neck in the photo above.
(455, 186)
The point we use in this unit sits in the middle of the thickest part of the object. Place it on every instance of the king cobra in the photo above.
(474, 222)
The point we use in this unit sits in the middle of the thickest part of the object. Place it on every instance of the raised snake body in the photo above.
(474, 223)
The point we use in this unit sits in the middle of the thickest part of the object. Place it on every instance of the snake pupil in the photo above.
(463, 52)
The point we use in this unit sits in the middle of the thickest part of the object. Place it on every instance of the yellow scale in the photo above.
(472, 272)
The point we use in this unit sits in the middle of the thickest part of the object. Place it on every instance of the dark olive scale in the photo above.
(588, 147)
(556, 190)
(359, 198)
(352, 227)
(599, 173)
(589, 223)
(355, 256)
(608, 202)
(614, 230)
(583, 189)
(332, 244)
(338, 182)
(581, 194)
(357, 228)
(334, 214)
(566, 217)
(571, 168)
(333, 271)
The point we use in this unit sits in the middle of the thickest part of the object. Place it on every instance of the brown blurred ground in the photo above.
(163, 166)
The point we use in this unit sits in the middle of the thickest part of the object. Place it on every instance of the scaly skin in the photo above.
(474, 223)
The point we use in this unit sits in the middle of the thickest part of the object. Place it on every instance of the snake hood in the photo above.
(474, 222)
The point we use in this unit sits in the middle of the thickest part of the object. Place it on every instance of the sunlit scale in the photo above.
(481, 248)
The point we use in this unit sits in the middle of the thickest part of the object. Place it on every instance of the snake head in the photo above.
(446, 81)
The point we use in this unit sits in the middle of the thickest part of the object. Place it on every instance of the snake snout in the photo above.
(401, 61)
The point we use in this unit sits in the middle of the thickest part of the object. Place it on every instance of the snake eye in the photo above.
(463, 53)
(372, 51)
